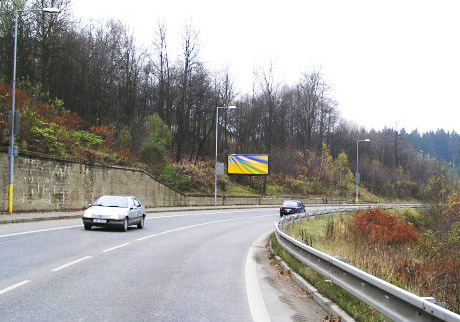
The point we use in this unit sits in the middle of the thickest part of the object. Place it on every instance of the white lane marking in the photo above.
(256, 302)
(71, 263)
(207, 213)
(171, 216)
(110, 249)
(12, 287)
(38, 231)
(202, 224)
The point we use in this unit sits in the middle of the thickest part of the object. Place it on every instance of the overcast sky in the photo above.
(393, 63)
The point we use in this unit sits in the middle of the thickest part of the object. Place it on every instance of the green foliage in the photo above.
(48, 138)
(275, 190)
(124, 138)
(326, 166)
(412, 216)
(343, 167)
(453, 239)
(171, 177)
(86, 139)
(36, 90)
(437, 189)
(154, 149)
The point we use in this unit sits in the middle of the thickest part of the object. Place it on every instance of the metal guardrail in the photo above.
(397, 304)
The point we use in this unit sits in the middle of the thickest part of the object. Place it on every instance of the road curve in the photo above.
(181, 267)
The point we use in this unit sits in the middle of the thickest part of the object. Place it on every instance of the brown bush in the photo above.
(378, 226)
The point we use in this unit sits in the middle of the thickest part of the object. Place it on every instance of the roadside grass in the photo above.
(275, 190)
(347, 189)
(332, 235)
(236, 189)
(396, 246)
(359, 310)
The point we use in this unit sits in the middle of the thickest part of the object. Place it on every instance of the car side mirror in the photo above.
(89, 205)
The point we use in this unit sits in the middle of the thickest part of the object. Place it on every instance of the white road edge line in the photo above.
(38, 231)
(71, 263)
(12, 287)
(256, 302)
(110, 249)
(202, 224)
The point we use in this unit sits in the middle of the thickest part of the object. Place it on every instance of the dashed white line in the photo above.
(204, 214)
(12, 287)
(112, 248)
(71, 263)
(38, 231)
(202, 224)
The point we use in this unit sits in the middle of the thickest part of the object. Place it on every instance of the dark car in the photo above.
(292, 207)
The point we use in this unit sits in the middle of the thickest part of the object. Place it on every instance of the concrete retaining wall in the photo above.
(44, 183)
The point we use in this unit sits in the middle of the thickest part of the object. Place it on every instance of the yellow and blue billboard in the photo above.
(248, 164)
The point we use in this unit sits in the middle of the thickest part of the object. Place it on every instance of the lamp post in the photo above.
(357, 178)
(11, 151)
(215, 168)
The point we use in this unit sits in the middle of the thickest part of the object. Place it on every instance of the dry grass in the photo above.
(407, 264)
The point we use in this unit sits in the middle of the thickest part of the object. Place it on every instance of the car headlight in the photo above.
(117, 217)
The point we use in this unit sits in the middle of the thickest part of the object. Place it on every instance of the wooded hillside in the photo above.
(147, 106)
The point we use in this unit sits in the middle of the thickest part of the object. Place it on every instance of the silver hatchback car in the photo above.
(115, 211)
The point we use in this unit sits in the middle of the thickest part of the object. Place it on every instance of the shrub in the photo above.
(154, 149)
(104, 132)
(378, 226)
(171, 177)
(86, 139)
(412, 216)
(47, 139)
(275, 190)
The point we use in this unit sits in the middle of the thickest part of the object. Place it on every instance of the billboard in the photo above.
(248, 164)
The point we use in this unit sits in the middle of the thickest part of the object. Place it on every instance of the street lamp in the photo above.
(215, 169)
(12, 129)
(357, 178)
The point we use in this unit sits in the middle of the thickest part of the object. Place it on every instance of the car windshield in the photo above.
(111, 201)
(289, 203)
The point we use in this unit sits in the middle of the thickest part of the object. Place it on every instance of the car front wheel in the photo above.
(141, 224)
(125, 225)
(87, 227)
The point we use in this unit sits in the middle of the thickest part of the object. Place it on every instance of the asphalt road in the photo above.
(184, 266)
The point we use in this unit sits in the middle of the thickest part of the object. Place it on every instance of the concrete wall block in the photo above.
(45, 184)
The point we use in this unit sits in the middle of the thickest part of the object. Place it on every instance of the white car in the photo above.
(115, 211)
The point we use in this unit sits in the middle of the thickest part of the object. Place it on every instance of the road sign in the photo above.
(220, 168)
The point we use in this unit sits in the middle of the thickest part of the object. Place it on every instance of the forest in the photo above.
(85, 87)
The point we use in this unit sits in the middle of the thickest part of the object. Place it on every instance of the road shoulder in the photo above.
(284, 300)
